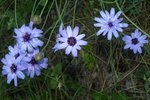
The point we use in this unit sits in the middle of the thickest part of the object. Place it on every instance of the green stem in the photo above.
(33, 9)
(131, 20)
(54, 27)
(36, 8)
(74, 13)
(47, 14)
(43, 8)
(16, 14)
(58, 10)
(50, 35)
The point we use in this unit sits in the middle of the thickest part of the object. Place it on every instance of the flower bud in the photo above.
(39, 56)
(36, 19)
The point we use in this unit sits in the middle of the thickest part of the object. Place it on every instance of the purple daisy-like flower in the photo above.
(34, 65)
(110, 23)
(27, 37)
(135, 41)
(16, 51)
(58, 36)
(70, 40)
(13, 68)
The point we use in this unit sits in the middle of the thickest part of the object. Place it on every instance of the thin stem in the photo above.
(33, 9)
(131, 20)
(74, 13)
(65, 5)
(16, 14)
(58, 10)
(47, 14)
(54, 27)
(43, 8)
(36, 8)
(50, 36)
(90, 36)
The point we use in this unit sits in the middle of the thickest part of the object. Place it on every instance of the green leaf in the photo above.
(118, 96)
(100, 96)
(147, 49)
(53, 83)
(56, 70)
(89, 61)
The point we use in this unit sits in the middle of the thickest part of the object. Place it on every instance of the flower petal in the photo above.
(62, 46)
(112, 12)
(20, 75)
(115, 34)
(74, 52)
(75, 31)
(15, 80)
(109, 36)
(82, 42)
(69, 31)
(79, 37)
(68, 50)
(100, 32)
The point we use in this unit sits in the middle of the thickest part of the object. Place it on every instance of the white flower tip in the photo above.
(101, 11)
(97, 34)
(95, 18)
(124, 38)
(75, 56)
(23, 26)
(124, 47)
(112, 8)
(31, 24)
(86, 42)
(76, 30)
(69, 28)
(95, 25)
(134, 52)
(125, 25)
(109, 39)
(136, 31)
(120, 12)
(61, 27)
(112, 11)
(76, 27)
(15, 30)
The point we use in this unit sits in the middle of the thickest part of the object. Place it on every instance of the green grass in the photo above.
(103, 70)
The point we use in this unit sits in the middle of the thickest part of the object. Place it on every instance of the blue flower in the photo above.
(13, 68)
(16, 51)
(61, 30)
(35, 66)
(109, 23)
(135, 41)
(27, 37)
(70, 40)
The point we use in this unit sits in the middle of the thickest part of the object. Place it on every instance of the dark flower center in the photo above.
(135, 41)
(26, 37)
(13, 68)
(33, 61)
(17, 55)
(110, 24)
(72, 41)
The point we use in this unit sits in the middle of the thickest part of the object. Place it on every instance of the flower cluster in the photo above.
(70, 40)
(26, 59)
(23, 57)
(111, 24)
(135, 41)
